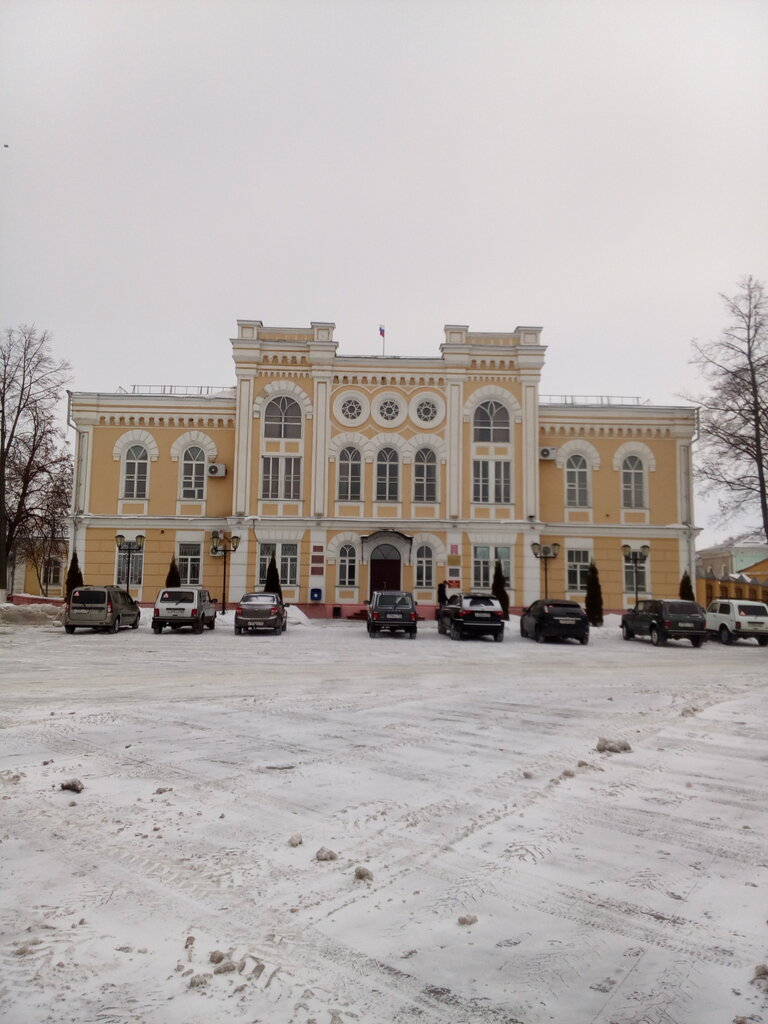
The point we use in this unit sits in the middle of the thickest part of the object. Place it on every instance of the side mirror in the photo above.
(366, 602)
(286, 606)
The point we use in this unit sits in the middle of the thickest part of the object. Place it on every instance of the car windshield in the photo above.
(563, 606)
(482, 602)
(259, 599)
(753, 611)
(683, 608)
(178, 596)
(89, 597)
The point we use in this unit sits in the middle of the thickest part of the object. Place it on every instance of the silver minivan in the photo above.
(105, 608)
(184, 606)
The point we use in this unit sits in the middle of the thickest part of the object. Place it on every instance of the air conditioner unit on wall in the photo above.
(217, 469)
(547, 453)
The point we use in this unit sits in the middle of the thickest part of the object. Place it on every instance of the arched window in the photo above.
(632, 482)
(350, 465)
(347, 566)
(425, 476)
(193, 473)
(577, 482)
(425, 575)
(135, 472)
(387, 467)
(282, 418)
(491, 423)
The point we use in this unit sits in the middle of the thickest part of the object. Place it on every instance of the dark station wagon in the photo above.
(545, 619)
(391, 611)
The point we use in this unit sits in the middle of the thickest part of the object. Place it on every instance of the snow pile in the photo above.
(30, 614)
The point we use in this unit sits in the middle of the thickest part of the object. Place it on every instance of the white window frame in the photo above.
(484, 558)
(491, 482)
(577, 482)
(190, 563)
(287, 559)
(281, 478)
(347, 566)
(425, 566)
(388, 475)
(577, 569)
(350, 474)
(425, 476)
(283, 418)
(193, 474)
(133, 481)
(634, 483)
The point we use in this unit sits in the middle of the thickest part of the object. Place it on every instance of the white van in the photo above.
(738, 620)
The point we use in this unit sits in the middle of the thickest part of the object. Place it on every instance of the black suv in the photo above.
(563, 619)
(393, 611)
(666, 620)
(471, 615)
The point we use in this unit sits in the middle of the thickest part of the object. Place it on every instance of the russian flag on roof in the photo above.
(381, 330)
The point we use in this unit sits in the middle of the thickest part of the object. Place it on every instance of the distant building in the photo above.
(367, 472)
(734, 569)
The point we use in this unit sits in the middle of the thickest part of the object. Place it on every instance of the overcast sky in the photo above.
(595, 167)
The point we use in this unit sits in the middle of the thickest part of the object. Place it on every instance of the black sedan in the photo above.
(547, 619)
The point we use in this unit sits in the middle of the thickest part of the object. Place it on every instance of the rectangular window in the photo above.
(193, 481)
(189, 564)
(280, 478)
(137, 568)
(135, 480)
(484, 558)
(578, 566)
(287, 559)
(424, 568)
(425, 481)
(630, 568)
(52, 574)
(491, 482)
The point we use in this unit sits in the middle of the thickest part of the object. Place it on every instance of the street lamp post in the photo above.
(544, 552)
(636, 558)
(222, 545)
(127, 547)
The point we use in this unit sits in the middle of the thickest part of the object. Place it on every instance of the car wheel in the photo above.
(656, 639)
(626, 632)
(69, 629)
(157, 629)
(135, 623)
(371, 632)
(726, 636)
(441, 627)
(695, 641)
(212, 623)
(762, 641)
(238, 630)
(115, 627)
(522, 629)
(412, 634)
(538, 636)
(285, 625)
(498, 637)
(199, 626)
(455, 632)
(584, 640)
(277, 630)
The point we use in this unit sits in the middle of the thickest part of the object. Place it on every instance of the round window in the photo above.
(426, 411)
(351, 409)
(389, 410)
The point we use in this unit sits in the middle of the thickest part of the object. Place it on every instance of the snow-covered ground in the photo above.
(594, 887)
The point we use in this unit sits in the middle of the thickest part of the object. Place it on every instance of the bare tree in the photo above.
(42, 537)
(32, 450)
(734, 411)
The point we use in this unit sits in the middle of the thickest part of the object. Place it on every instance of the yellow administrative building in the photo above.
(383, 472)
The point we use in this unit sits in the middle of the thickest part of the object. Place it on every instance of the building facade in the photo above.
(370, 472)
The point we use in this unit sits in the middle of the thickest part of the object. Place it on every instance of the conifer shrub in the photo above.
(498, 590)
(593, 602)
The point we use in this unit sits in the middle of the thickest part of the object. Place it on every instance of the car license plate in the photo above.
(175, 611)
(394, 616)
(482, 615)
(685, 625)
(567, 622)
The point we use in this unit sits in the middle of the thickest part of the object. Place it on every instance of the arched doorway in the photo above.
(385, 568)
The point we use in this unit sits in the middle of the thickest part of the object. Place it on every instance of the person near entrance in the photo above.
(442, 596)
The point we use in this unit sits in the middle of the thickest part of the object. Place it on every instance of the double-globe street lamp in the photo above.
(127, 547)
(636, 558)
(544, 552)
(222, 545)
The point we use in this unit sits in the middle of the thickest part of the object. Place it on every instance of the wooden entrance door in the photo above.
(385, 568)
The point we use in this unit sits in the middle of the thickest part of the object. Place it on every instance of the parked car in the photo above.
(471, 615)
(261, 611)
(106, 608)
(666, 620)
(738, 620)
(392, 611)
(547, 619)
(184, 606)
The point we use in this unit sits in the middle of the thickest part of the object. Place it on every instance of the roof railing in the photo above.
(592, 400)
(173, 389)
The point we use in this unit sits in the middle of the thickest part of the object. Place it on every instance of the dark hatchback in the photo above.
(562, 620)
(392, 611)
(666, 620)
(471, 615)
(261, 611)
